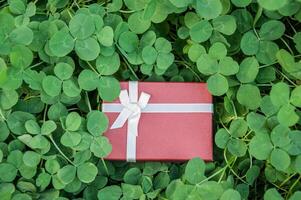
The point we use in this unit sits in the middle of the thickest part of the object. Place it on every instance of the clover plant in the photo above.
(60, 59)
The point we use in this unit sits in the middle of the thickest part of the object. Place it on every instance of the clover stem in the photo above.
(62, 123)
(68, 10)
(45, 111)
(41, 164)
(3, 5)
(35, 65)
(288, 47)
(75, 3)
(198, 77)
(173, 36)
(290, 37)
(89, 64)
(289, 80)
(234, 109)
(1, 114)
(230, 167)
(98, 102)
(251, 160)
(186, 64)
(256, 33)
(232, 163)
(59, 150)
(245, 137)
(294, 184)
(267, 65)
(131, 69)
(105, 166)
(88, 101)
(224, 126)
(287, 179)
(30, 97)
(291, 26)
(264, 85)
(126, 11)
(257, 16)
(162, 198)
(41, 13)
(222, 175)
(126, 62)
(72, 109)
(279, 188)
(213, 175)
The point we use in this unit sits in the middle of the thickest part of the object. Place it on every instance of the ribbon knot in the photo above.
(134, 108)
(131, 112)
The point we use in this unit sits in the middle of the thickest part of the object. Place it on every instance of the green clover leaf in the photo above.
(82, 26)
(272, 5)
(97, 123)
(110, 193)
(194, 171)
(21, 35)
(271, 30)
(201, 31)
(63, 71)
(108, 88)
(106, 36)
(101, 147)
(137, 23)
(209, 9)
(248, 70)
(52, 85)
(249, 96)
(224, 24)
(108, 65)
(88, 80)
(87, 172)
(73, 121)
(61, 43)
(217, 84)
(67, 174)
(87, 49)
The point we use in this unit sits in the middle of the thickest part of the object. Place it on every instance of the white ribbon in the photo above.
(130, 109)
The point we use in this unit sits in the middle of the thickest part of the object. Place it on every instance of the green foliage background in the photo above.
(60, 58)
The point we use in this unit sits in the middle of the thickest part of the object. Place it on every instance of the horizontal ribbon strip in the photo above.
(164, 108)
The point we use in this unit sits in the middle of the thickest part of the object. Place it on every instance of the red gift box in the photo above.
(160, 121)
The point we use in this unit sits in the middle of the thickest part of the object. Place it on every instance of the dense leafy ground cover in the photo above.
(60, 58)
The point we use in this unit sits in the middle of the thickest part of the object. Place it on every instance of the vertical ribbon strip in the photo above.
(130, 109)
(131, 112)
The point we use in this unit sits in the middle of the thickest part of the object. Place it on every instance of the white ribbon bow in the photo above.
(131, 112)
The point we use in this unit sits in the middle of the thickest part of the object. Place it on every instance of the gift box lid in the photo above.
(167, 136)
